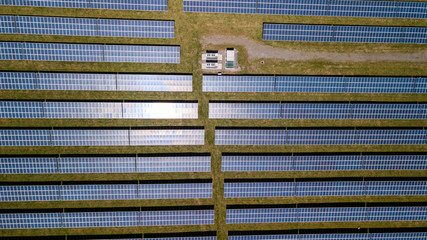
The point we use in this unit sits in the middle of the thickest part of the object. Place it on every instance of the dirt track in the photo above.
(260, 51)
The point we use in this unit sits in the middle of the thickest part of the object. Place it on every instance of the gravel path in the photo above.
(260, 51)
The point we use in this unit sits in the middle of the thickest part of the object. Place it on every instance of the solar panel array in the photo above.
(332, 33)
(152, 164)
(32, 51)
(324, 163)
(105, 219)
(144, 5)
(319, 137)
(95, 82)
(118, 110)
(335, 236)
(321, 84)
(105, 192)
(227, 110)
(310, 189)
(100, 137)
(344, 214)
(337, 8)
(86, 27)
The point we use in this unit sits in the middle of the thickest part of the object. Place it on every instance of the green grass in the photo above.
(189, 29)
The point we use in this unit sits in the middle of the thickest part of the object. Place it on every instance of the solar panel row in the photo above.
(340, 236)
(88, 52)
(224, 83)
(105, 219)
(86, 27)
(104, 192)
(332, 33)
(316, 111)
(324, 163)
(309, 189)
(32, 165)
(319, 137)
(344, 214)
(338, 8)
(91, 137)
(123, 110)
(95, 82)
(141, 5)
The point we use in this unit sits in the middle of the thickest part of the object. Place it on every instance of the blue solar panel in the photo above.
(98, 192)
(214, 83)
(25, 137)
(316, 111)
(317, 137)
(29, 193)
(305, 189)
(257, 163)
(175, 191)
(96, 165)
(99, 219)
(86, 27)
(338, 236)
(244, 110)
(30, 220)
(90, 137)
(344, 214)
(183, 217)
(89, 52)
(328, 163)
(21, 109)
(259, 189)
(341, 8)
(82, 110)
(313, 84)
(398, 162)
(27, 165)
(329, 33)
(101, 82)
(174, 164)
(221, 6)
(386, 111)
(158, 110)
(141, 5)
(167, 137)
(139, 82)
(396, 188)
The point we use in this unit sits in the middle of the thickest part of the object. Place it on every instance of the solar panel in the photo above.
(174, 164)
(96, 164)
(99, 219)
(337, 236)
(83, 110)
(29, 193)
(15, 137)
(318, 137)
(90, 137)
(184, 238)
(341, 8)
(324, 163)
(76, 81)
(11, 165)
(325, 84)
(30, 220)
(89, 52)
(348, 188)
(256, 163)
(157, 110)
(244, 110)
(18, 80)
(167, 137)
(146, 82)
(396, 188)
(214, 83)
(330, 33)
(145, 5)
(220, 6)
(98, 192)
(175, 191)
(344, 214)
(12, 109)
(86, 27)
(182, 217)
(258, 189)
